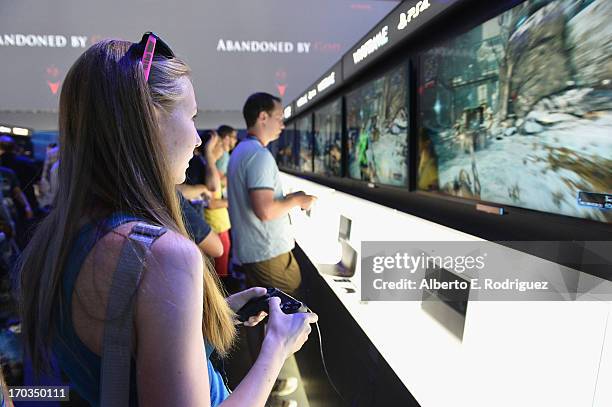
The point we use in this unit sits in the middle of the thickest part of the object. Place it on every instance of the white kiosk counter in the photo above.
(509, 353)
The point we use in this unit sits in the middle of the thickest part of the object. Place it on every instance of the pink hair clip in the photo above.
(147, 55)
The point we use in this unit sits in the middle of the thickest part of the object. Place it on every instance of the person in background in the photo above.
(26, 173)
(259, 210)
(206, 205)
(216, 213)
(23, 166)
(199, 231)
(11, 191)
(229, 137)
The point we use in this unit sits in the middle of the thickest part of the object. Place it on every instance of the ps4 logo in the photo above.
(412, 13)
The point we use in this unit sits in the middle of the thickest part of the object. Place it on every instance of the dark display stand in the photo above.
(358, 370)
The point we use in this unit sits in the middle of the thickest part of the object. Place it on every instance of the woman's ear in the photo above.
(158, 112)
(160, 117)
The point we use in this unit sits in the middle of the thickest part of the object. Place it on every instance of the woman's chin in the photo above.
(180, 179)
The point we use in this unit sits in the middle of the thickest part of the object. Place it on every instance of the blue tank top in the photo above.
(79, 363)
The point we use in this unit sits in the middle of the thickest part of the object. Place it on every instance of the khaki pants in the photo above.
(282, 272)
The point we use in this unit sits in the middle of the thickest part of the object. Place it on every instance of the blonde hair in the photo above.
(111, 159)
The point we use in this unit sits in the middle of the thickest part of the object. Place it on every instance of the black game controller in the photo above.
(288, 305)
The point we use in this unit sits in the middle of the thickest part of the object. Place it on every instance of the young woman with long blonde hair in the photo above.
(126, 137)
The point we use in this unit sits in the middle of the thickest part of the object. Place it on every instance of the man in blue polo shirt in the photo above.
(258, 209)
(261, 237)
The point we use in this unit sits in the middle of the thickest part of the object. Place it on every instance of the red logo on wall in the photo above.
(52, 78)
(281, 78)
(54, 86)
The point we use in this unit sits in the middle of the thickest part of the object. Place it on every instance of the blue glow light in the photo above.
(437, 106)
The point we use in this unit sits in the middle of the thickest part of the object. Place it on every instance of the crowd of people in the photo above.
(141, 227)
(26, 195)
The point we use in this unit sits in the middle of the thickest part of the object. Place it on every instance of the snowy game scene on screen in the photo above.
(518, 111)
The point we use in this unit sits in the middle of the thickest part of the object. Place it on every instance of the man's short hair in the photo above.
(257, 103)
(224, 131)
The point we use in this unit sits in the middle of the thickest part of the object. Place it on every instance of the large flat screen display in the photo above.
(283, 148)
(304, 140)
(377, 125)
(518, 111)
(328, 139)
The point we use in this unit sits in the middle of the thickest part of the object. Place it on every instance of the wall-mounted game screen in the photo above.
(518, 111)
(303, 138)
(284, 148)
(377, 125)
(328, 139)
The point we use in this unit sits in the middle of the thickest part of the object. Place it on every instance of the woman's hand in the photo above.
(237, 301)
(288, 330)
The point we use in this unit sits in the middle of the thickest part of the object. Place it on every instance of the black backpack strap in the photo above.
(117, 340)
